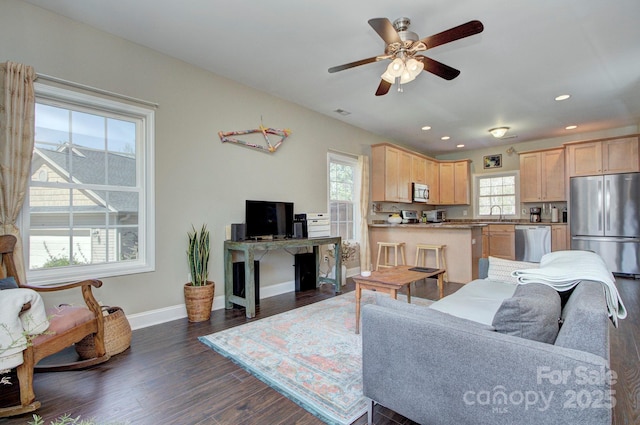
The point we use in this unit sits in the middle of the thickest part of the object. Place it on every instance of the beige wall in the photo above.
(198, 178)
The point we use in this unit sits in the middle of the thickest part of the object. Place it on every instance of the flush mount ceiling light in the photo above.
(499, 132)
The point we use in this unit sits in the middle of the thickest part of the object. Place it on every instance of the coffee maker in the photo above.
(535, 215)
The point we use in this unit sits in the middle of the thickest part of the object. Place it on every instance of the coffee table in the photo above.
(392, 279)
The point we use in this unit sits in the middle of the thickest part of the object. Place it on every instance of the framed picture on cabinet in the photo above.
(492, 161)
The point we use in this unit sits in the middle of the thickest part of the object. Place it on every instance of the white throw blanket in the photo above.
(14, 325)
(563, 270)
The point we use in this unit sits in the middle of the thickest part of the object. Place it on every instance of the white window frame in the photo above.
(476, 191)
(357, 179)
(145, 169)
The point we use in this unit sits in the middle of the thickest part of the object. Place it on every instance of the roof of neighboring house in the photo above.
(95, 167)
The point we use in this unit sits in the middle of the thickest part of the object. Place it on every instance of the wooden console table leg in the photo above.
(249, 283)
(358, 296)
(228, 278)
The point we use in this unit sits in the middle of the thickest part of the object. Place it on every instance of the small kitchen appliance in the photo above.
(434, 216)
(420, 192)
(409, 216)
(535, 215)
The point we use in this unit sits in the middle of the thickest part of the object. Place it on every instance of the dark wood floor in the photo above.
(169, 377)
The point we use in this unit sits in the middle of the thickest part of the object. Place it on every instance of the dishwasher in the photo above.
(532, 242)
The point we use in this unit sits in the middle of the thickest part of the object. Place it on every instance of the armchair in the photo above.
(68, 325)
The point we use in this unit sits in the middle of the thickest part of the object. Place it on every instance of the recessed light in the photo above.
(426, 127)
(445, 137)
(563, 97)
(460, 146)
(571, 127)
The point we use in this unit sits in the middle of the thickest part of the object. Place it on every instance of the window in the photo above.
(89, 208)
(497, 190)
(344, 195)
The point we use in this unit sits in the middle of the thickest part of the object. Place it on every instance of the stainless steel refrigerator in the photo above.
(605, 218)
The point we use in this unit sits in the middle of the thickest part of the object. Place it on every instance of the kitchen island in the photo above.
(463, 241)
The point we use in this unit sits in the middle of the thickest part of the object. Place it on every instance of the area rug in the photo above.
(311, 355)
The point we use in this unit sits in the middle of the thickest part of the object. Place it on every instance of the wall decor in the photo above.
(265, 131)
(492, 161)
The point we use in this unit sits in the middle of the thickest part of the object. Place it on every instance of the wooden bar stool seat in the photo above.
(421, 257)
(386, 247)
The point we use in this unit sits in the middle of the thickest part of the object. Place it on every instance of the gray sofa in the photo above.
(436, 368)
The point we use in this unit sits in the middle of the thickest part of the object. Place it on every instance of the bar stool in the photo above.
(386, 246)
(421, 253)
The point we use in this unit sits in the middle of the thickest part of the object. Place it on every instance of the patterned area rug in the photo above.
(311, 355)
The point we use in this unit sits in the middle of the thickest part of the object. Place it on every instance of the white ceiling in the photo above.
(530, 52)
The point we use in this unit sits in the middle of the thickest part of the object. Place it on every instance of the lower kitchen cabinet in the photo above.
(501, 241)
(559, 240)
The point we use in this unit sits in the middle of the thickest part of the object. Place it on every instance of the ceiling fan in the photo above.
(402, 47)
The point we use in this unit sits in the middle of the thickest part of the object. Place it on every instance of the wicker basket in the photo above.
(117, 335)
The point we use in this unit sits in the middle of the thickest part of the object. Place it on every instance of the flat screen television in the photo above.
(268, 219)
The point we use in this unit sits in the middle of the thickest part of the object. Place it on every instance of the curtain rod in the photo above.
(95, 90)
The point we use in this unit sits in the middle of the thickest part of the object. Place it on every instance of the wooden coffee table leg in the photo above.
(358, 296)
(441, 285)
(409, 293)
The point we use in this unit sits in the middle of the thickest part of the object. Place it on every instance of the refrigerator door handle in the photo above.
(607, 205)
(600, 206)
(605, 239)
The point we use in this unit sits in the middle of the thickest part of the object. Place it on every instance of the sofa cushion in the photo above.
(8, 283)
(532, 313)
(500, 269)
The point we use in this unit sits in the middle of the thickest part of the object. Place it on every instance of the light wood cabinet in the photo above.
(447, 183)
(454, 183)
(390, 174)
(559, 241)
(542, 176)
(502, 241)
(461, 183)
(393, 169)
(607, 156)
(433, 180)
(418, 169)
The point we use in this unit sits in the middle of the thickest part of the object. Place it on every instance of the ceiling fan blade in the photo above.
(452, 34)
(354, 64)
(383, 88)
(385, 30)
(438, 68)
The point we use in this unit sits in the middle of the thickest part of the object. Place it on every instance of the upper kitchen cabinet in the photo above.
(542, 176)
(433, 181)
(390, 174)
(418, 169)
(607, 156)
(454, 183)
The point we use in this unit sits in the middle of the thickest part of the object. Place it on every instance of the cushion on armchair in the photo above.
(62, 319)
(532, 313)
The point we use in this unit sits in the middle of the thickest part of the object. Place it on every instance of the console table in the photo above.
(249, 247)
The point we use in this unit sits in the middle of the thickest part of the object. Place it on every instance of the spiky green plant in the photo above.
(198, 255)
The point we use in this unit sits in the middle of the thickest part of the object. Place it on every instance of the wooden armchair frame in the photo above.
(53, 343)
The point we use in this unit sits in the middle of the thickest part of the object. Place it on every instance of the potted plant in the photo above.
(198, 293)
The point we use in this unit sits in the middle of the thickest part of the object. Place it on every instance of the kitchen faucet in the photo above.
(499, 209)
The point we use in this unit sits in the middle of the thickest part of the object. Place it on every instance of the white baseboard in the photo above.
(175, 312)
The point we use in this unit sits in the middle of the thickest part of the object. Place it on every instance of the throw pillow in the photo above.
(532, 313)
(500, 269)
(8, 283)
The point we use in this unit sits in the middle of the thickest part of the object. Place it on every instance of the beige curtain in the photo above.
(365, 251)
(17, 112)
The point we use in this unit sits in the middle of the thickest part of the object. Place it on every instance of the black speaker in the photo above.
(238, 232)
(305, 265)
(238, 280)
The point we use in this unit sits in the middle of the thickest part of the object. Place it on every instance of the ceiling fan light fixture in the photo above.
(396, 68)
(414, 67)
(388, 77)
(499, 132)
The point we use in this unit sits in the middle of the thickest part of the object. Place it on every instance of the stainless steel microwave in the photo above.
(420, 192)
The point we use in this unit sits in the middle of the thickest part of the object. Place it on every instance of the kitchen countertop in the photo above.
(461, 224)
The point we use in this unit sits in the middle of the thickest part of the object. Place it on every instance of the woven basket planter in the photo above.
(199, 300)
(117, 335)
